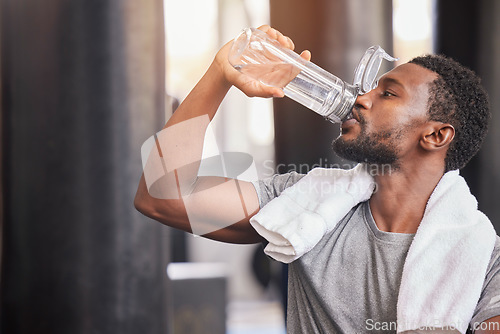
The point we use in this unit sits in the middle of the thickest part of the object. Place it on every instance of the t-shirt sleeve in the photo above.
(273, 186)
(489, 303)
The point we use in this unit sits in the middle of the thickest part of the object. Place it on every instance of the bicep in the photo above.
(220, 208)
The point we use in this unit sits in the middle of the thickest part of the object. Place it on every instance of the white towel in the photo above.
(295, 222)
(447, 261)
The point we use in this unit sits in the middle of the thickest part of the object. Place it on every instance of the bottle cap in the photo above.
(367, 69)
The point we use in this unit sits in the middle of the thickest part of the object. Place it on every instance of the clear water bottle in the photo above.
(255, 54)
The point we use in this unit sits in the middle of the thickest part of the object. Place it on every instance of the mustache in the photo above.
(361, 118)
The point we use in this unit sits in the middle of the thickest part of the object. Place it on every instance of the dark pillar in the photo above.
(82, 88)
(468, 32)
(457, 28)
(337, 33)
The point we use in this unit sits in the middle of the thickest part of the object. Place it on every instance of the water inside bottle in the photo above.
(314, 94)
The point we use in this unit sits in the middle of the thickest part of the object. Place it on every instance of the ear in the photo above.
(437, 135)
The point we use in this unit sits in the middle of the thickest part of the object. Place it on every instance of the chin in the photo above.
(346, 137)
(364, 150)
(341, 146)
(349, 133)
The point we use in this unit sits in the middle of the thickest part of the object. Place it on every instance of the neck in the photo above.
(399, 203)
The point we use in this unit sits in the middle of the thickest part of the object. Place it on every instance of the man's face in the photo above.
(387, 120)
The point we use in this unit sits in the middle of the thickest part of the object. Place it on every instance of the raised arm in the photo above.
(215, 207)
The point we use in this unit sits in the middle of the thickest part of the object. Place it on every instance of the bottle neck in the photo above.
(344, 109)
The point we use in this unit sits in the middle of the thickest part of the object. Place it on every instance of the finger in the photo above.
(264, 93)
(279, 35)
(278, 93)
(273, 33)
(286, 42)
(264, 28)
(268, 91)
(306, 54)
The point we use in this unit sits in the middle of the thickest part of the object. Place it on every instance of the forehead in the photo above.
(411, 76)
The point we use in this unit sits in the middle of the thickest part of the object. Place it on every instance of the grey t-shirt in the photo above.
(349, 282)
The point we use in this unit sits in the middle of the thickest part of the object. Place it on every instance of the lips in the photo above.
(355, 114)
(354, 119)
(349, 123)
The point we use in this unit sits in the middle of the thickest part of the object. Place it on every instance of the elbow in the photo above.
(166, 212)
(142, 198)
(143, 202)
(146, 208)
(139, 204)
(143, 205)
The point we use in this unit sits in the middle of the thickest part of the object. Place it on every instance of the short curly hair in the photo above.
(458, 98)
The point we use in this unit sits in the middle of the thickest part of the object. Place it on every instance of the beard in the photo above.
(375, 149)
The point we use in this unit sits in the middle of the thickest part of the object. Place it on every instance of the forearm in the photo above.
(181, 140)
(204, 99)
(171, 167)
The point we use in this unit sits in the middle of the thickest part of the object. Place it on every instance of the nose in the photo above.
(364, 101)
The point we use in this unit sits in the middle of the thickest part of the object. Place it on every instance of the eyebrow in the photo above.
(389, 80)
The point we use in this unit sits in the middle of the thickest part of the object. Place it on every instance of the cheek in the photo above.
(399, 117)
(408, 136)
(388, 115)
(381, 124)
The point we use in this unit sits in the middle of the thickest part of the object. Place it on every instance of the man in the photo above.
(424, 118)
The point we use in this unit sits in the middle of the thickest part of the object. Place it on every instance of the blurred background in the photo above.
(85, 82)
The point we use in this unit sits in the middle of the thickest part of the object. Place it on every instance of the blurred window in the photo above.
(412, 28)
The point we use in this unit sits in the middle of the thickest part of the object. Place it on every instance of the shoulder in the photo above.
(489, 303)
(495, 257)
(271, 187)
(493, 271)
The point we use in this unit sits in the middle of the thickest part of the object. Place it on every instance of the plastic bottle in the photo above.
(257, 55)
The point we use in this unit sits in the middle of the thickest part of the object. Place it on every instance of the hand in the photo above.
(247, 85)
